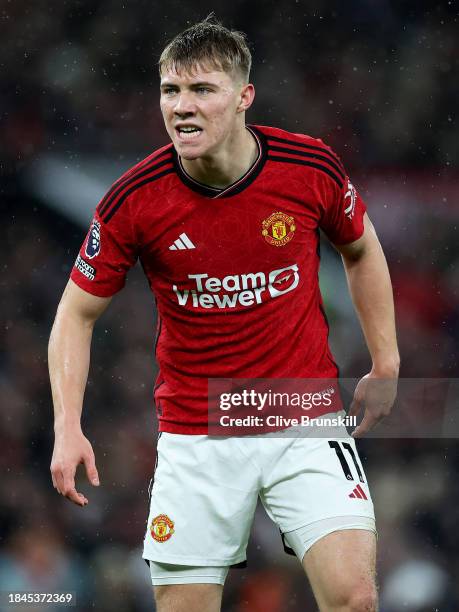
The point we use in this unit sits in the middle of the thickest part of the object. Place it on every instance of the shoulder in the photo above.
(157, 159)
(302, 151)
(146, 172)
(274, 134)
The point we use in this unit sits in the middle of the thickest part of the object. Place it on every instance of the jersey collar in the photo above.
(237, 186)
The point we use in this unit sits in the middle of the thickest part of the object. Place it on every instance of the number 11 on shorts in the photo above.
(342, 459)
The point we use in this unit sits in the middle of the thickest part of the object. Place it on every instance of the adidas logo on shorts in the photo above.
(358, 493)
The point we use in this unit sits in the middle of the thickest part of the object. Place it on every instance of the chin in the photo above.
(189, 155)
(189, 152)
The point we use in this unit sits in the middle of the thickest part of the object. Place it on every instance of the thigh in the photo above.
(202, 502)
(182, 588)
(188, 598)
(341, 569)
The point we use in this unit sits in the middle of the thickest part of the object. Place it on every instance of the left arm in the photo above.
(371, 291)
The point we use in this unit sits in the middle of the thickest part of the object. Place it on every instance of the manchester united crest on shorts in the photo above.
(278, 229)
(161, 528)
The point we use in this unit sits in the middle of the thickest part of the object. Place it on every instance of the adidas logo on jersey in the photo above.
(182, 243)
(358, 493)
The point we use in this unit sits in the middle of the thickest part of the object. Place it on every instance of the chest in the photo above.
(259, 230)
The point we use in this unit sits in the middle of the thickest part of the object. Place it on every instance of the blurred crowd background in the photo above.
(378, 81)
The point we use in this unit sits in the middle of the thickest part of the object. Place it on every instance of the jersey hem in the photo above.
(198, 430)
(96, 291)
(357, 236)
(340, 243)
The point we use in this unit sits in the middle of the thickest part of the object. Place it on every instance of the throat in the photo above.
(226, 167)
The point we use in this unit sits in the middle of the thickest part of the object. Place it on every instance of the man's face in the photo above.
(200, 110)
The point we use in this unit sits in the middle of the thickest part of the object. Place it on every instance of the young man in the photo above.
(225, 221)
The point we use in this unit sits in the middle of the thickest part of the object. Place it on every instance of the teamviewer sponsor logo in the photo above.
(283, 280)
(238, 289)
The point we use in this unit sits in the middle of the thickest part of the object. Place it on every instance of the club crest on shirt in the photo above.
(92, 248)
(278, 229)
(162, 528)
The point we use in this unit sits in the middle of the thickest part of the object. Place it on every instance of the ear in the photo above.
(247, 96)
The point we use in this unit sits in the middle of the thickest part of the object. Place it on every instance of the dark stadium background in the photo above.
(378, 81)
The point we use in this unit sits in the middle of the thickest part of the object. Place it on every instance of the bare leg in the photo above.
(341, 570)
(188, 597)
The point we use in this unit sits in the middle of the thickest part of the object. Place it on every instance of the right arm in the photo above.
(68, 358)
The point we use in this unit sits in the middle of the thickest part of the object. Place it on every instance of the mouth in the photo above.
(187, 133)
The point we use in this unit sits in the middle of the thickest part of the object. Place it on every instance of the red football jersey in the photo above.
(234, 271)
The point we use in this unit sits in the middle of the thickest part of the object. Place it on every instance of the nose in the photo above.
(184, 106)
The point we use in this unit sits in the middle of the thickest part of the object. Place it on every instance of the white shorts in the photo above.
(296, 542)
(205, 492)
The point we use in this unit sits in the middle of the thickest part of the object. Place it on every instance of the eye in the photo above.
(169, 91)
(203, 90)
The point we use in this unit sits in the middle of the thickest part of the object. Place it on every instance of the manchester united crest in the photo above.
(278, 229)
(161, 528)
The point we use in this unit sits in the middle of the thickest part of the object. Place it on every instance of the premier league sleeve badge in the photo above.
(92, 248)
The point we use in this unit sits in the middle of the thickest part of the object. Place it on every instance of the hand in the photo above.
(71, 448)
(377, 395)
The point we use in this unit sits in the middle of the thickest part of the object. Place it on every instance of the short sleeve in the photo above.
(106, 255)
(343, 211)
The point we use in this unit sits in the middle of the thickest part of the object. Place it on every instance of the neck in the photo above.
(228, 164)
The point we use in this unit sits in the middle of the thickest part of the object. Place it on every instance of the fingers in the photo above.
(371, 418)
(58, 478)
(77, 498)
(355, 407)
(69, 451)
(359, 397)
(368, 422)
(373, 415)
(377, 397)
(69, 490)
(91, 470)
(64, 482)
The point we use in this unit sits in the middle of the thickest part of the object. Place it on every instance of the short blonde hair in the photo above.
(209, 44)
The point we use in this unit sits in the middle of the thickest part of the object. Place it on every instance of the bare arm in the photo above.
(68, 358)
(371, 291)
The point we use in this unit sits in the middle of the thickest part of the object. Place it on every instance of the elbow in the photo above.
(70, 321)
(354, 256)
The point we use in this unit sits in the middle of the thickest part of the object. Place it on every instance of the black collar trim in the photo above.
(237, 186)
